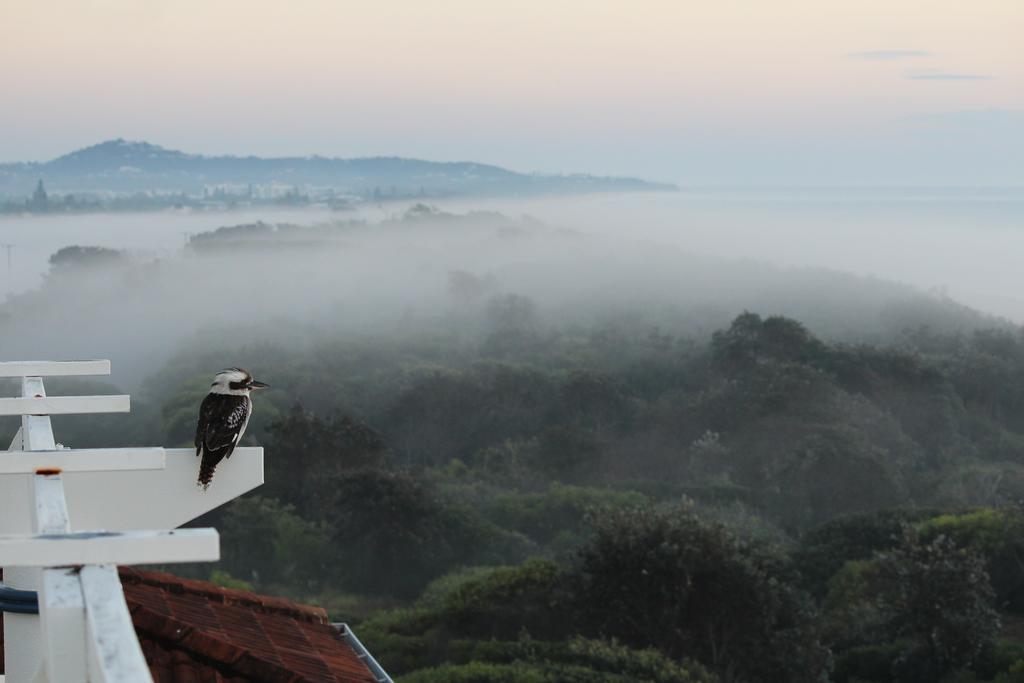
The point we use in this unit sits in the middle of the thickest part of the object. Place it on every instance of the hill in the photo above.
(121, 166)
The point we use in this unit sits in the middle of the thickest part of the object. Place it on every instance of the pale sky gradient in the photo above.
(710, 92)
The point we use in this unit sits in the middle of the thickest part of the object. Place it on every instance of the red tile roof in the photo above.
(197, 632)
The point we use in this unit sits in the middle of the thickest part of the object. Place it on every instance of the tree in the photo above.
(84, 257)
(751, 339)
(310, 452)
(392, 533)
(594, 399)
(997, 535)
(661, 577)
(267, 542)
(443, 415)
(40, 200)
(826, 548)
(510, 313)
(467, 288)
(513, 323)
(939, 597)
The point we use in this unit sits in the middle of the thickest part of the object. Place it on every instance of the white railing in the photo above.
(68, 517)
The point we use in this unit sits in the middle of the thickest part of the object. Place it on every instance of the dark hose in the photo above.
(18, 601)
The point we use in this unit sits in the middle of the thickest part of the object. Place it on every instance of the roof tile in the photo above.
(197, 632)
(240, 634)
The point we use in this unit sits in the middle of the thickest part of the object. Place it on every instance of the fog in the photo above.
(859, 268)
(34, 238)
(964, 243)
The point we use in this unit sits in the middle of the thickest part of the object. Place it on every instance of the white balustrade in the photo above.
(69, 516)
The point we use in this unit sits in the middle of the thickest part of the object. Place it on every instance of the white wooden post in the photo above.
(61, 609)
(68, 517)
(109, 630)
(23, 639)
(62, 621)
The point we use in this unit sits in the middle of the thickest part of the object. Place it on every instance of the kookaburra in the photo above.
(223, 417)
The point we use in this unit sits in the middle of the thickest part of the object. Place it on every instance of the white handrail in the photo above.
(110, 547)
(51, 368)
(64, 405)
(81, 460)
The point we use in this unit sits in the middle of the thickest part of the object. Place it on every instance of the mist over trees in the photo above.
(428, 273)
(521, 453)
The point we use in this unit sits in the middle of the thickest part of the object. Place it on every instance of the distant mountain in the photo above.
(121, 166)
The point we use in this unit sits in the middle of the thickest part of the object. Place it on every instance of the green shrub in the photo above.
(438, 590)
(509, 600)
(575, 661)
(997, 534)
(663, 578)
(826, 548)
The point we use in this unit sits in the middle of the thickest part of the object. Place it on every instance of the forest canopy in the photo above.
(519, 474)
(763, 506)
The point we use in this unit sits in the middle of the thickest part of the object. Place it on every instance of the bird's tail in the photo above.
(206, 475)
(206, 469)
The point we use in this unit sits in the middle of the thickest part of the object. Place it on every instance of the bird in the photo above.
(223, 417)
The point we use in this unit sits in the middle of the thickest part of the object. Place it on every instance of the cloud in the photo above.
(888, 54)
(946, 77)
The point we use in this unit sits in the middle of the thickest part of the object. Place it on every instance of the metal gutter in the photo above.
(376, 669)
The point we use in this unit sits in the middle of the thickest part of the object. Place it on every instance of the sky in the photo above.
(716, 92)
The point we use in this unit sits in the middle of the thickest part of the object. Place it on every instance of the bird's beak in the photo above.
(258, 385)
